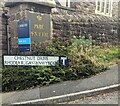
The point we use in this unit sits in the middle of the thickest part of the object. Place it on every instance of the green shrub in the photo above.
(18, 78)
(105, 55)
(45, 76)
(81, 44)
(14, 78)
(83, 62)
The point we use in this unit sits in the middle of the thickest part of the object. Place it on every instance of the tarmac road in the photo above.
(105, 98)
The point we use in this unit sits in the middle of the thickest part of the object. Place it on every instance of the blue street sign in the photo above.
(24, 40)
(63, 61)
(24, 48)
(23, 29)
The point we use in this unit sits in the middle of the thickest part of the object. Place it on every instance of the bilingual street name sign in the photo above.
(34, 60)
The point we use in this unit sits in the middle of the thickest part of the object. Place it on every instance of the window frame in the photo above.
(104, 11)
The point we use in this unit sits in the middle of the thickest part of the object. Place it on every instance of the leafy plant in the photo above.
(84, 61)
(81, 44)
(45, 77)
(15, 78)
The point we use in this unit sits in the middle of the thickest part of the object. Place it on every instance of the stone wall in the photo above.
(81, 22)
(119, 22)
(17, 12)
(84, 22)
(85, 7)
(3, 35)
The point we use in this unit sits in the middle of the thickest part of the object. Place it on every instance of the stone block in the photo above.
(14, 41)
(3, 46)
(2, 52)
(13, 28)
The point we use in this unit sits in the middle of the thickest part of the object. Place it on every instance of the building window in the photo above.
(66, 3)
(98, 5)
(104, 7)
(108, 6)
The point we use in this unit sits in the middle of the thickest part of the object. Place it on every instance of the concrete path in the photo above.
(107, 78)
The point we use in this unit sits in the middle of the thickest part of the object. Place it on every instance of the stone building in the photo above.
(86, 21)
(76, 19)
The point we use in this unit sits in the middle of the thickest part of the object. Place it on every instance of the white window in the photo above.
(65, 3)
(104, 7)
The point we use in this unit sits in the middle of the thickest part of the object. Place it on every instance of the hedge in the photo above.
(84, 61)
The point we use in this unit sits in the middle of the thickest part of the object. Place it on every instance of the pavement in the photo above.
(104, 79)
